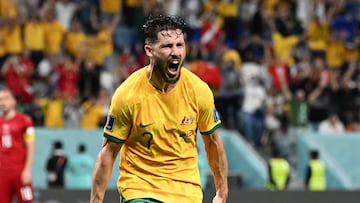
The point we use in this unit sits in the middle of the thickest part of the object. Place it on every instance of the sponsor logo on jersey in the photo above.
(216, 115)
(110, 122)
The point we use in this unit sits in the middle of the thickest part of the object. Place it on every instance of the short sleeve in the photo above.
(209, 119)
(118, 123)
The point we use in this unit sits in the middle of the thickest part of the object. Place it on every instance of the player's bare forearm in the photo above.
(30, 151)
(103, 168)
(218, 163)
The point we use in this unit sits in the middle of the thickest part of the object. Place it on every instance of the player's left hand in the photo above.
(26, 176)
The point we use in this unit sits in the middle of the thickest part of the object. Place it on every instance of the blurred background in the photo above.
(285, 75)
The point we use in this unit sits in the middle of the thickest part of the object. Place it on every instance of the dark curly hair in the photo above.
(158, 23)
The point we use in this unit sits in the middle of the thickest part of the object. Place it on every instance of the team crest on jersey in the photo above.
(216, 115)
(187, 120)
(110, 121)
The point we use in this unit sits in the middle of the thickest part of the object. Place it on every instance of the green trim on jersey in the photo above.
(139, 200)
(217, 126)
(113, 139)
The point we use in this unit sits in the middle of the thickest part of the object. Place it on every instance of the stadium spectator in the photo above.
(109, 8)
(89, 79)
(53, 110)
(229, 93)
(80, 169)
(103, 40)
(17, 74)
(252, 110)
(67, 74)
(55, 166)
(54, 34)
(17, 149)
(191, 10)
(75, 42)
(231, 23)
(34, 37)
(335, 51)
(211, 32)
(321, 92)
(318, 30)
(65, 10)
(128, 60)
(9, 8)
(298, 112)
(332, 125)
(347, 95)
(73, 113)
(254, 50)
(134, 12)
(93, 113)
(13, 42)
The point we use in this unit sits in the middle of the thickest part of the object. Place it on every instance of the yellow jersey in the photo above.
(110, 6)
(105, 39)
(159, 156)
(335, 54)
(318, 35)
(54, 32)
(13, 42)
(75, 43)
(2, 41)
(34, 36)
(95, 50)
(53, 112)
(92, 115)
(8, 8)
(283, 47)
(233, 55)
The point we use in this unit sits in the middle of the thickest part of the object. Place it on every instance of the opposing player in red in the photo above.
(17, 146)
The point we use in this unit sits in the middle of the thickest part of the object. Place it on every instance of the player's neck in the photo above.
(157, 82)
(9, 114)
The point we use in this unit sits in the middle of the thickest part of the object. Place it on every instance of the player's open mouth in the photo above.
(173, 67)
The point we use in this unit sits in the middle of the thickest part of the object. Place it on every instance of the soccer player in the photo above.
(17, 137)
(153, 122)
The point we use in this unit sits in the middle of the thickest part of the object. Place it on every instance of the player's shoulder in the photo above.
(131, 86)
(23, 117)
(132, 80)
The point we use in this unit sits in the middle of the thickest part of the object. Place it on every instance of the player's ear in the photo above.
(148, 49)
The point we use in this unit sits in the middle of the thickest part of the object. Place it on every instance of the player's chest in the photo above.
(169, 112)
(172, 119)
(10, 134)
(11, 128)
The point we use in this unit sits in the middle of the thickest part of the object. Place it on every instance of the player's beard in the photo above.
(162, 68)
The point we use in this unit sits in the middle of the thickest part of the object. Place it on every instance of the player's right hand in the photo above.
(218, 199)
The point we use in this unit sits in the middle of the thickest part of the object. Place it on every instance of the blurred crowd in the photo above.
(277, 67)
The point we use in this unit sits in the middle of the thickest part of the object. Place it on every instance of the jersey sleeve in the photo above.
(118, 123)
(209, 119)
